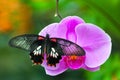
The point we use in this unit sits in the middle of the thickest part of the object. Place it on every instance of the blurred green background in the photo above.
(30, 16)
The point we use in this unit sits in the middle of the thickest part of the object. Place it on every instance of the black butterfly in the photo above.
(54, 48)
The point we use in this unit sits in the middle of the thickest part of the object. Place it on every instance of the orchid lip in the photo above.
(75, 62)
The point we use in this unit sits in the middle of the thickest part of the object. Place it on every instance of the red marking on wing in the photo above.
(40, 38)
(53, 40)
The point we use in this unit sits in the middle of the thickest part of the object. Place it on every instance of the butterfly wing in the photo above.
(32, 43)
(23, 41)
(53, 53)
(59, 47)
(70, 48)
(37, 51)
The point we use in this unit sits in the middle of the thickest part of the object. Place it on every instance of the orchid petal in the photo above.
(66, 28)
(90, 69)
(95, 42)
(53, 71)
(50, 29)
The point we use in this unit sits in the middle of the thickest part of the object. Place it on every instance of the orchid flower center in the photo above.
(73, 57)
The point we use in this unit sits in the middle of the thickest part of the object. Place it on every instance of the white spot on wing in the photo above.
(34, 52)
(39, 47)
(37, 51)
(53, 49)
(56, 54)
(53, 53)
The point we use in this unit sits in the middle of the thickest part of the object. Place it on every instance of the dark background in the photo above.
(30, 16)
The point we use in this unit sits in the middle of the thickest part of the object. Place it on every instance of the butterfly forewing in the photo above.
(23, 41)
(70, 48)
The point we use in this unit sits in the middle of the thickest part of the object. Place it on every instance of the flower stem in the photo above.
(57, 11)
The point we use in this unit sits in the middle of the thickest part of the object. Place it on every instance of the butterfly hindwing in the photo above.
(37, 55)
(37, 51)
(53, 53)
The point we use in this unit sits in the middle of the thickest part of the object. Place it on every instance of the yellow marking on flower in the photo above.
(73, 57)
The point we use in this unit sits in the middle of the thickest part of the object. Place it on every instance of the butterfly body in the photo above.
(45, 48)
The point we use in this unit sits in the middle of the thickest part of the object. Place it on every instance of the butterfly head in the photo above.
(47, 38)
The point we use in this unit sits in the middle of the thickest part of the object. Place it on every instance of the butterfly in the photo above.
(40, 46)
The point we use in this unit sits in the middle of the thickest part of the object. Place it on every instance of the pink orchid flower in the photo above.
(95, 42)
